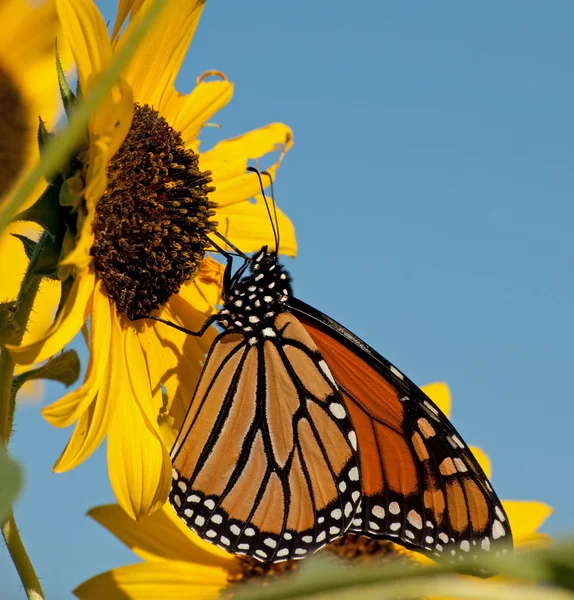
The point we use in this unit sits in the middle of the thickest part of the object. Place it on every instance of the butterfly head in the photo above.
(256, 299)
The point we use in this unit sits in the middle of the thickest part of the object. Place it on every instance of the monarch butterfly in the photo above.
(299, 431)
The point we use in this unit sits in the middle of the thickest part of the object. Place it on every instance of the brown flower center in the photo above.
(358, 547)
(249, 568)
(151, 224)
(14, 131)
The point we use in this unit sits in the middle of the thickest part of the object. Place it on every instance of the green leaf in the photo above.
(64, 368)
(46, 211)
(11, 478)
(68, 97)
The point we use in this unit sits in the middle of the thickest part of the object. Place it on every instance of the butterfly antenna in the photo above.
(274, 208)
(232, 246)
(275, 235)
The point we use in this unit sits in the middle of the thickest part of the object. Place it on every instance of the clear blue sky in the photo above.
(431, 185)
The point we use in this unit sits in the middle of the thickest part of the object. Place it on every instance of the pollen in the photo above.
(151, 224)
(14, 131)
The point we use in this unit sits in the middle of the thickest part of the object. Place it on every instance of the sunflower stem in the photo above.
(21, 559)
(23, 307)
(22, 310)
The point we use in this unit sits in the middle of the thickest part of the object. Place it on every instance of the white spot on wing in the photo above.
(337, 410)
(497, 530)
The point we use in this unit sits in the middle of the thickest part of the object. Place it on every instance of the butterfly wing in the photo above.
(266, 462)
(421, 483)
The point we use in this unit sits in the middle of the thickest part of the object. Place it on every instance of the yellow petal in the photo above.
(124, 9)
(439, 394)
(188, 352)
(525, 516)
(94, 421)
(68, 409)
(188, 114)
(138, 463)
(109, 127)
(165, 580)
(68, 323)
(86, 32)
(482, 460)
(162, 535)
(228, 161)
(153, 69)
(204, 291)
(248, 227)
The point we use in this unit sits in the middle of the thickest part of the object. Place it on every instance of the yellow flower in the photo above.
(142, 208)
(178, 564)
(28, 89)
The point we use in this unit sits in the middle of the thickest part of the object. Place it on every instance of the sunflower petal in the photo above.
(228, 161)
(65, 327)
(204, 291)
(124, 9)
(526, 516)
(249, 228)
(162, 535)
(94, 421)
(168, 580)
(482, 460)
(188, 114)
(138, 463)
(188, 352)
(153, 69)
(86, 32)
(439, 393)
(68, 409)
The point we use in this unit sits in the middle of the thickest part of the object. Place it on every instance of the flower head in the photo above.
(176, 560)
(141, 199)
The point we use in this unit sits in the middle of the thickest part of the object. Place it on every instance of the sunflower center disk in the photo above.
(151, 223)
(14, 131)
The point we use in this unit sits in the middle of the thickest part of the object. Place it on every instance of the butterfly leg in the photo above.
(198, 333)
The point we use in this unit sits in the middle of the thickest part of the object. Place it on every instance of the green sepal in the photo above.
(46, 263)
(44, 135)
(64, 368)
(11, 478)
(68, 97)
(46, 211)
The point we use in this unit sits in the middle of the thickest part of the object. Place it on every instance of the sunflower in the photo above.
(177, 563)
(143, 198)
(28, 90)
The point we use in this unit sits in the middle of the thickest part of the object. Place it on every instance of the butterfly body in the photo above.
(299, 431)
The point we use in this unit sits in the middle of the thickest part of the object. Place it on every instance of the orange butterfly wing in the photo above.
(265, 463)
(421, 483)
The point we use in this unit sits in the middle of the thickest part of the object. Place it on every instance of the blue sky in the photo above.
(431, 188)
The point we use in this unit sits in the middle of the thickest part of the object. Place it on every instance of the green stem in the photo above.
(21, 559)
(24, 303)
(23, 308)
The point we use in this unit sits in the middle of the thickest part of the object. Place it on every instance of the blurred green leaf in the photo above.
(10, 482)
(64, 368)
(543, 573)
